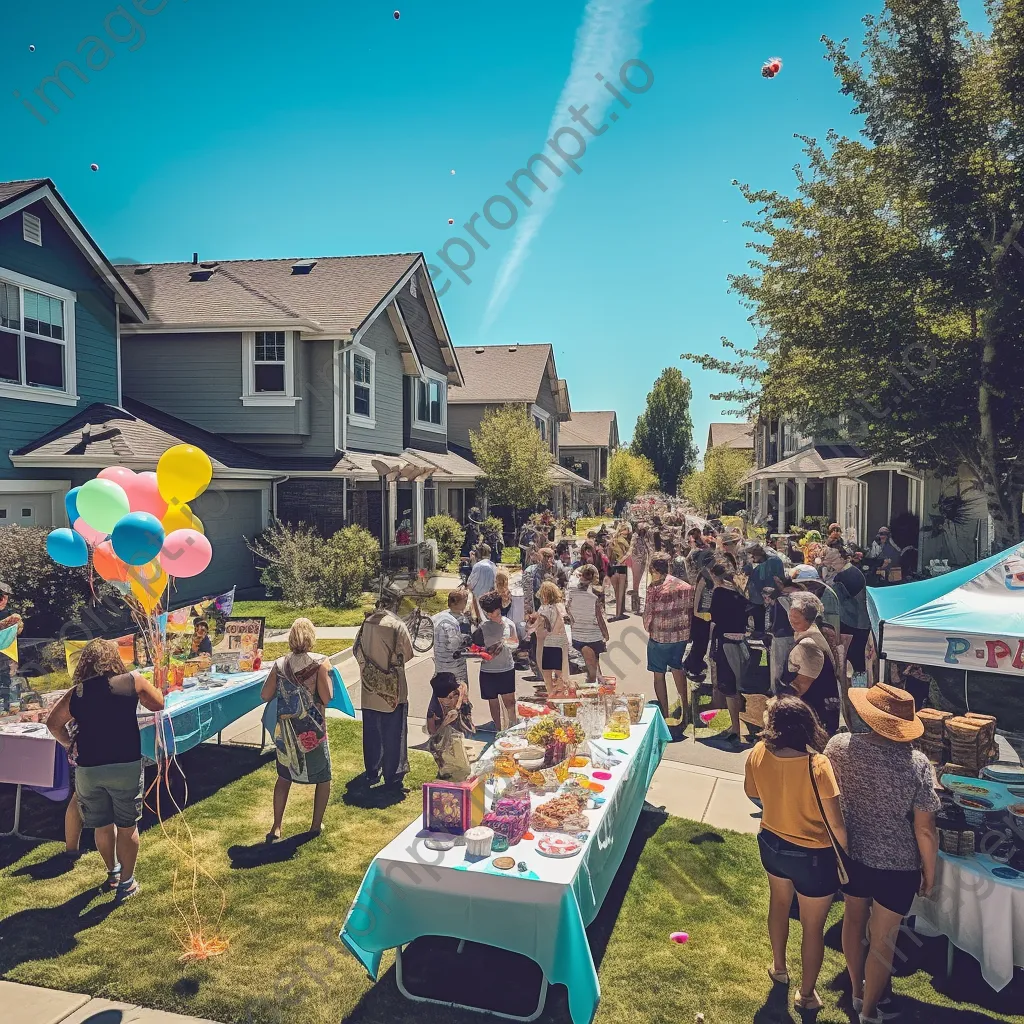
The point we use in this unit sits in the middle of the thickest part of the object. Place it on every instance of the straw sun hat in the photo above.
(889, 711)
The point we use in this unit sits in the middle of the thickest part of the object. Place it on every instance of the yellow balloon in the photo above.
(148, 583)
(183, 473)
(181, 517)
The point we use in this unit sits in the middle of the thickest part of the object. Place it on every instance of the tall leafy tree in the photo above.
(629, 475)
(890, 289)
(664, 431)
(514, 458)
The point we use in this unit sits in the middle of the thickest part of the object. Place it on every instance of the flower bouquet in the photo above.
(558, 736)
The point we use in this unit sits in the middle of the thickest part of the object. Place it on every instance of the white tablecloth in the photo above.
(979, 912)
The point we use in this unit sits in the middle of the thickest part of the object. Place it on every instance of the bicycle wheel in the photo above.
(422, 629)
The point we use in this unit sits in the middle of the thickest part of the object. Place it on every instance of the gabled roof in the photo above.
(135, 435)
(335, 297)
(560, 475)
(588, 430)
(16, 195)
(506, 374)
(735, 435)
(812, 462)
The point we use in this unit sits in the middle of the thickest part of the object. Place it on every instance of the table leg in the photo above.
(950, 956)
(15, 832)
(541, 1000)
(218, 739)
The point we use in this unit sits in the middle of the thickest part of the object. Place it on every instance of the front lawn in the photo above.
(273, 651)
(280, 615)
(286, 905)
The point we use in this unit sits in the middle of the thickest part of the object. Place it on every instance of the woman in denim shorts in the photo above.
(103, 703)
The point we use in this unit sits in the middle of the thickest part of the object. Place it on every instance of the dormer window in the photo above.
(268, 368)
(431, 410)
(37, 340)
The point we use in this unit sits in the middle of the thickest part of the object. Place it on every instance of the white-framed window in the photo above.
(431, 409)
(37, 340)
(362, 404)
(542, 421)
(268, 361)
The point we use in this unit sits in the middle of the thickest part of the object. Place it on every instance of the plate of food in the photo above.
(558, 845)
(511, 744)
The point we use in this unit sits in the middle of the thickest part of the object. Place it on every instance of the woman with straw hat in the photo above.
(889, 804)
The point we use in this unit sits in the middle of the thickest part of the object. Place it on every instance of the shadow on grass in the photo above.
(44, 933)
(359, 793)
(259, 854)
(434, 968)
(208, 768)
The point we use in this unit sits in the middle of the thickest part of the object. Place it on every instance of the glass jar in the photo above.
(617, 726)
(636, 702)
(592, 717)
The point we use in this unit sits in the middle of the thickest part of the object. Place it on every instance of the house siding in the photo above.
(387, 436)
(421, 327)
(60, 262)
(198, 378)
(230, 517)
(415, 436)
(462, 419)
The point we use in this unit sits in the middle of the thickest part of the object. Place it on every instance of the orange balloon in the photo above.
(107, 565)
(148, 583)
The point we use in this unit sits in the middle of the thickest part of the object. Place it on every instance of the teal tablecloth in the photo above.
(409, 891)
(192, 716)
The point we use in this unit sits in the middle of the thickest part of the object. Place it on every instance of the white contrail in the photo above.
(608, 36)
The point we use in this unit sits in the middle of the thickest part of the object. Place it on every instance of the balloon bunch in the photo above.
(139, 526)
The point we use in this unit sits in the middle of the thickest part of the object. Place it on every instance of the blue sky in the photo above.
(256, 129)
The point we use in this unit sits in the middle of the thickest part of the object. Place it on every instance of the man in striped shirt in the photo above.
(448, 637)
(667, 621)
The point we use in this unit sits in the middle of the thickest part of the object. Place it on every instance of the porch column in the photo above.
(392, 510)
(801, 498)
(782, 499)
(417, 509)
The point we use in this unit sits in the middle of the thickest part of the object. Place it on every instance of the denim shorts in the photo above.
(110, 794)
(661, 658)
(812, 870)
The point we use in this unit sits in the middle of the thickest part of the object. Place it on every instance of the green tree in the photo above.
(890, 290)
(718, 481)
(664, 431)
(629, 475)
(514, 458)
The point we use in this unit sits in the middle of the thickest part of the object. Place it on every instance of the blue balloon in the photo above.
(71, 504)
(137, 538)
(66, 547)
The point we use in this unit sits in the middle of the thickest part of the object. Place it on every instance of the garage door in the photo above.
(229, 517)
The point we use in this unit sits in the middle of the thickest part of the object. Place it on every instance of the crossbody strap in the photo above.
(843, 876)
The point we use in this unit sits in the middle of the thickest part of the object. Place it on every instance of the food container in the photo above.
(478, 841)
(636, 702)
(510, 817)
(592, 717)
(618, 724)
(568, 707)
(976, 808)
(511, 744)
(1004, 772)
(453, 807)
(607, 685)
(1017, 815)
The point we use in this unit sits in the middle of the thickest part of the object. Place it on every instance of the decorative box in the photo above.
(453, 807)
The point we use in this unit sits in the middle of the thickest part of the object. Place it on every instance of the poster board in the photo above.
(244, 635)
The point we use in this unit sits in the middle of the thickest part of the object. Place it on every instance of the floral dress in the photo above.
(300, 736)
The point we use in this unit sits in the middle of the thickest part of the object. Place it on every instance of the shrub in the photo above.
(350, 560)
(306, 570)
(449, 537)
(493, 525)
(48, 593)
(511, 555)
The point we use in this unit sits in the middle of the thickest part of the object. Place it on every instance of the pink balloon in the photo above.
(708, 716)
(185, 553)
(144, 495)
(680, 938)
(118, 474)
(91, 535)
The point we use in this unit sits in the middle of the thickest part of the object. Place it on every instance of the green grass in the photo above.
(58, 680)
(282, 921)
(273, 651)
(280, 615)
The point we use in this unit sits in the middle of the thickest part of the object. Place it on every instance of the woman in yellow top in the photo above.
(618, 549)
(796, 851)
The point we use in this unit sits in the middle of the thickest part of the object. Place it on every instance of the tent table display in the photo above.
(978, 911)
(412, 891)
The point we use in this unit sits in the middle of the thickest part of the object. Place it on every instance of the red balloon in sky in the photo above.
(94, 167)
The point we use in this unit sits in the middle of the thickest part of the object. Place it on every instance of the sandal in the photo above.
(113, 880)
(271, 838)
(126, 890)
(778, 977)
(808, 1004)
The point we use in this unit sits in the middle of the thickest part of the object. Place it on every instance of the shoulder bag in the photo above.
(844, 876)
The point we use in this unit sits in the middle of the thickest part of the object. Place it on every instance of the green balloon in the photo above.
(101, 503)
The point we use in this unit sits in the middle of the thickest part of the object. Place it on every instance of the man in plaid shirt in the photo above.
(667, 614)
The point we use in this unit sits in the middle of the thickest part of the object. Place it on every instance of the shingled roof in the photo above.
(733, 435)
(335, 296)
(501, 373)
(10, 190)
(587, 430)
(135, 435)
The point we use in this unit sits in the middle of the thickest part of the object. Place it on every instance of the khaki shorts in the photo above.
(110, 794)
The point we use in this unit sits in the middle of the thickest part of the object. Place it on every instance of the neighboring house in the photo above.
(733, 435)
(61, 303)
(585, 444)
(335, 370)
(797, 475)
(235, 507)
(523, 375)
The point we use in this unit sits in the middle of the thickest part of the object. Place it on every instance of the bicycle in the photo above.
(418, 622)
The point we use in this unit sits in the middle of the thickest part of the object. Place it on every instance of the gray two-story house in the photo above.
(585, 444)
(523, 375)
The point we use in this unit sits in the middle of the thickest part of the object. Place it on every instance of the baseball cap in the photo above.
(5, 589)
(803, 572)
